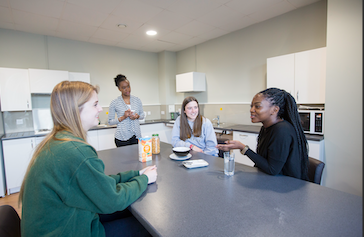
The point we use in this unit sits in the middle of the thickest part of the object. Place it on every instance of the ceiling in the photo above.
(180, 23)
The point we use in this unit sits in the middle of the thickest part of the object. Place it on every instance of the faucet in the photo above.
(218, 120)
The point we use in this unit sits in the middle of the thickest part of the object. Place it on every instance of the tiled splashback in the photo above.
(229, 113)
(21, 121)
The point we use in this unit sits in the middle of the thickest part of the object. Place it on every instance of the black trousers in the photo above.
(131, 141)
(122, 223)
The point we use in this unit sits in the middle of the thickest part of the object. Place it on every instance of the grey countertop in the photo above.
(223, 126)
(205, 202)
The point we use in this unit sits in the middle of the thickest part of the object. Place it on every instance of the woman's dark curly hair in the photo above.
(119, 78)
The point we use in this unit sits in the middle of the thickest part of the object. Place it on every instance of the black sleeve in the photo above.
(277, 152)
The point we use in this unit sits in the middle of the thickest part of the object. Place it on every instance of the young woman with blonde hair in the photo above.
(65, 191)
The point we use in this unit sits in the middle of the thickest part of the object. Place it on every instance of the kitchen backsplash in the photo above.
(229, 113)
(21, 121)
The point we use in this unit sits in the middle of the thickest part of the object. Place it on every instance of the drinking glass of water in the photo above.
(229, 163)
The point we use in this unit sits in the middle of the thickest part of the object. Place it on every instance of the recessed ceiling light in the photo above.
(151, 32)
(121, 25)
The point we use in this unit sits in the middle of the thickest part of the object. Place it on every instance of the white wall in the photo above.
(344, 97)
(235, 64)
(25, 50)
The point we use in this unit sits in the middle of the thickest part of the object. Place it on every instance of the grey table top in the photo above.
(204, 202)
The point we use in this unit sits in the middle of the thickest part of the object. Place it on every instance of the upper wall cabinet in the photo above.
(14, 89)
(43, 81)
(191, 82)
(79, 76)
(302, 74)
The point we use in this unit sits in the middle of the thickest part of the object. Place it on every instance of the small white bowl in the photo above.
(181, 151)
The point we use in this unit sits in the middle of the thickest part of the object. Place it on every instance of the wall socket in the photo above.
(149, 113)
(19, 121)
(162, 112)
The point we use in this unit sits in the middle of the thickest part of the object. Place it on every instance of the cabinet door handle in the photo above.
(242, 135)
(297, 95)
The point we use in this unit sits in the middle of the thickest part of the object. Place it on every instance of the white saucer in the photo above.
(175, 157)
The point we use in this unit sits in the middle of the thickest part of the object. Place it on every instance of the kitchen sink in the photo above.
(217, 126)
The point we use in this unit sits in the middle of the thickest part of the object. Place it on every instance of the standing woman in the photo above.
(129, 111)
(65, 191)
(193, 130)
(282, 145)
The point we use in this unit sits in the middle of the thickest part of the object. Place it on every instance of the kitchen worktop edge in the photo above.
(228, 127)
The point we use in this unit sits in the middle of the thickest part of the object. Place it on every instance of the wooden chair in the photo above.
(315, 169)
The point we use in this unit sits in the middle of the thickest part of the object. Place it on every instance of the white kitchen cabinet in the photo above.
(249, 139)
(310, 76)
(92, 139)
(316, 150)
(163, 130)
(17, 155)
(106, 138)
(302, 74)
(14, 89)
(2, 174)
(280, 72)
(79, 76)
(43, 81)
(191, 82)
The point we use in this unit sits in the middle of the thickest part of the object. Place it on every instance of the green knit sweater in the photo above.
(66, 189)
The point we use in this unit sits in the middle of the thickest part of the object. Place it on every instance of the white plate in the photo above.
(195, 163)
(175, 157)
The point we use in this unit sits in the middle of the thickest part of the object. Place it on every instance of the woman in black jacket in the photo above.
(282, 145)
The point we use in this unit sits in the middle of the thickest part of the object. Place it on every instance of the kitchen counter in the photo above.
(28, 134)
(205, 202)
(223, 127)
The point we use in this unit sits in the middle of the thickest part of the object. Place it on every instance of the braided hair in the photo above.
(119, 78)
(288, 111)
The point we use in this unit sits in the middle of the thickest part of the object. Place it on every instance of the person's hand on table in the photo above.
(195, 148)
(229, 145)
(150, 172)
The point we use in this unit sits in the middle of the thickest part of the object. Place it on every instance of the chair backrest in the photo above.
(9, 222)
(315, 169)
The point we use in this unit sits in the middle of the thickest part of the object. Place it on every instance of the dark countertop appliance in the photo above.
(174, 115)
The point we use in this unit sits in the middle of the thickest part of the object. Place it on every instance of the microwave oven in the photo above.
(312, 121)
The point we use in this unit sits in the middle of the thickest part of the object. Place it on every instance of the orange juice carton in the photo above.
(145, 149)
